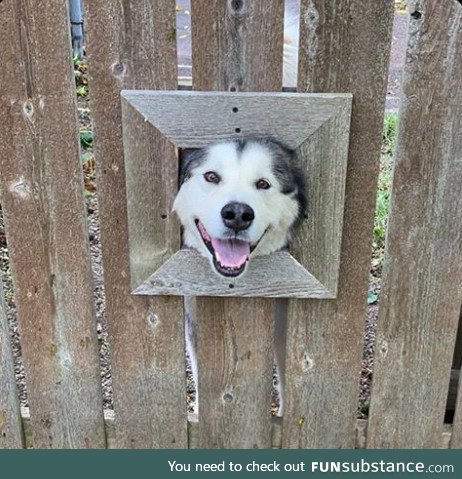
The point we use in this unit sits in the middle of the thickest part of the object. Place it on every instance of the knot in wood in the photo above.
(28, 108)
(153, 319)
(307, 363)
(384, 348)
(118, 69)
(236, 6)
(20, 188)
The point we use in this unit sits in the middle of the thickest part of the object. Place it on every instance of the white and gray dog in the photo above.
(239, 199)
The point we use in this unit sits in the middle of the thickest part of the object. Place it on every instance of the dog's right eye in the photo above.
(212, 177)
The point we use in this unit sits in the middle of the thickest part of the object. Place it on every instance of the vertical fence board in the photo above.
(132, 45)
(344, 47)
(42, 198)
(235, 357)
(10, 417)
(422, 287)
(457, 360)
(456, 438)
(237, 46)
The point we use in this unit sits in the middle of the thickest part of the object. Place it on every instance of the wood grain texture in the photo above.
(422, 285)
(10, 417)
(456, 399)
(151, 168)
(324, 49)
(317, 243)
(278, 275)
(193, 431)
(41, 189)
(132, 45)
(344, 48)
(456, 438)
(237, 45)
(240, 50)
(197, 119)
(235, 372)
(316, 125)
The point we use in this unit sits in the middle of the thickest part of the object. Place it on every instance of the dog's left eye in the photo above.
(262, 185)
(212, 177)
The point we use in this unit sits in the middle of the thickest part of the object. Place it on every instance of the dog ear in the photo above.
(295, 184)
(302, 193)
(287, 169)
(190, 158)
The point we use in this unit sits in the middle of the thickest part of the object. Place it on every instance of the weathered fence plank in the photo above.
(235, 357)
(10, 417)
(315, 125)
(42, 199)
(344, 47)
(293, 118)
(456, 438)
(133, 46)
(237, 46)
(151, 174)
(272, 276)
(422, 286)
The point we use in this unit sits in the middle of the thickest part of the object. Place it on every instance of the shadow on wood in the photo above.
(155, 123)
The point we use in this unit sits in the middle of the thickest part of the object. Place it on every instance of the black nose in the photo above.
(237, 216)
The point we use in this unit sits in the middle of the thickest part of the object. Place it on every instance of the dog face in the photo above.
(239, 199)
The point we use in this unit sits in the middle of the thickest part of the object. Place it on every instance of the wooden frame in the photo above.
(316, 125)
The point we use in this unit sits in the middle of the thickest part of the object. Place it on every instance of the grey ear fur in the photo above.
(190, 158)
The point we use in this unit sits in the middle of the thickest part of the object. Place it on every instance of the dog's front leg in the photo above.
(280, 334)
(191, 343)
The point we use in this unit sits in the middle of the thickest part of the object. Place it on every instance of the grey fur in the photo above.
(286, 166)
(190, 158)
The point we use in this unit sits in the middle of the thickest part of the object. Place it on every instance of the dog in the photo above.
(239, 199)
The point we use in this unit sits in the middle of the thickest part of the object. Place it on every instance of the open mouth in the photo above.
(230, 256)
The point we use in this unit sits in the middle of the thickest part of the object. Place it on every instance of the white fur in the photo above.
(275, 212)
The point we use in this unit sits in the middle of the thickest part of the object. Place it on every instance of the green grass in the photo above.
(383, 201)
(86, 139)
(82, 91)
(390, 130)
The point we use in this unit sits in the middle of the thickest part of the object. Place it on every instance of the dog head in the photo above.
(238, 199)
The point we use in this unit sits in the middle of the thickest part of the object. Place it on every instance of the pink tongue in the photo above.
(231, 253)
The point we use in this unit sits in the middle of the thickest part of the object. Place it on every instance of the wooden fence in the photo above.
(237, 46)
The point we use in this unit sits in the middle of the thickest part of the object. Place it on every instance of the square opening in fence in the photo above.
(158, 124)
